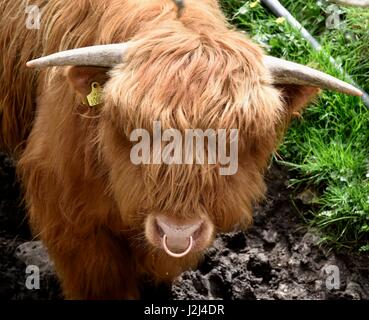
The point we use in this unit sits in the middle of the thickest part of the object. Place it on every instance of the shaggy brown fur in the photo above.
(86, 200)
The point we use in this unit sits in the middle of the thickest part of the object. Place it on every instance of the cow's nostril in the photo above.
(198, 232)
(159, 229)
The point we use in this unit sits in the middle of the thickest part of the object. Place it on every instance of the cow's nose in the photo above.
(178, 238)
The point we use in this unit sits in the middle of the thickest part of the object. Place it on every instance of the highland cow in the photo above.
(108, 223)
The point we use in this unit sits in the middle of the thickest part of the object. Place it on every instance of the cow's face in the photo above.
(193, 87)
(178, 208)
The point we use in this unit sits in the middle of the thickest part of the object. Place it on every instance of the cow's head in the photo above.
(189, 82)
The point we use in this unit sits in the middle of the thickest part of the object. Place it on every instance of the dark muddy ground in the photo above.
(277, 258)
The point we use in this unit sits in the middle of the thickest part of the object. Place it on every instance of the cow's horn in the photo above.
(102, 55)
(283, 72)
(286, 72)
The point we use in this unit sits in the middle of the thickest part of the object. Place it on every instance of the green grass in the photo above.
(328, 149)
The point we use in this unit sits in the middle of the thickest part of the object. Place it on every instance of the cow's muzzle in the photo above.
(176, 237)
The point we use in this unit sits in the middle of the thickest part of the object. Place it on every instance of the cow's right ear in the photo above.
(82, 78)
(296, 97)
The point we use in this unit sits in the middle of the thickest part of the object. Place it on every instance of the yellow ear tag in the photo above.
(95, 96)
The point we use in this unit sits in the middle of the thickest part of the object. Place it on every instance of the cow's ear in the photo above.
(81, 78)
(296, 97)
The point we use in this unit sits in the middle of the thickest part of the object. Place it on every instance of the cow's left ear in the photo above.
(296, 97)
(82, 78)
